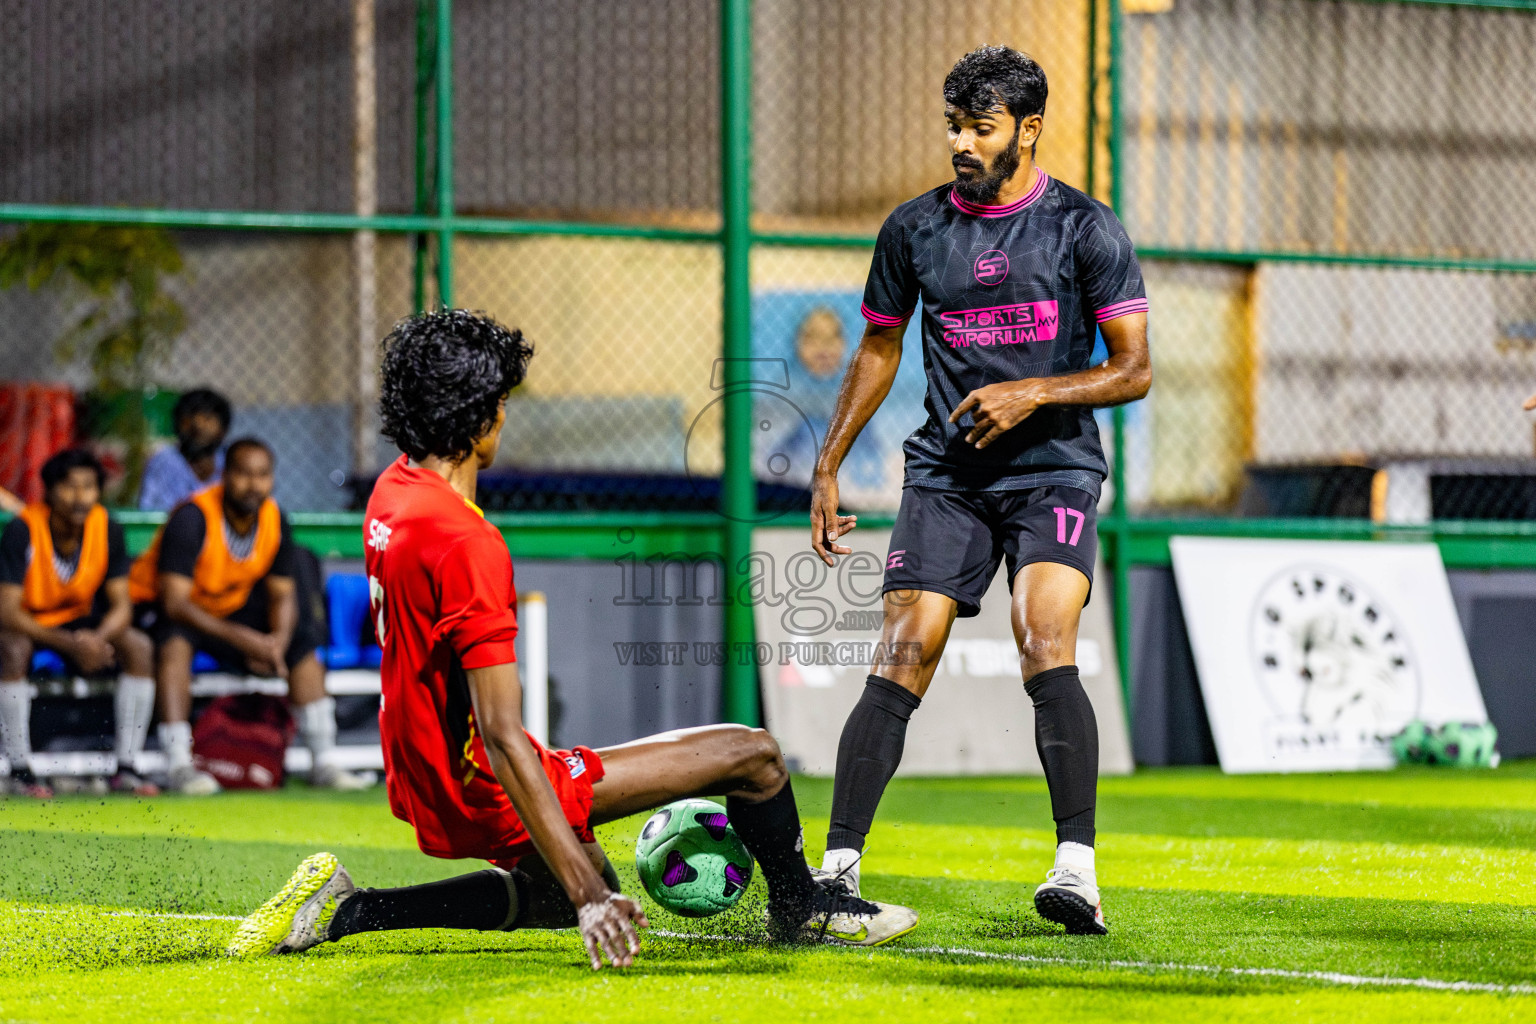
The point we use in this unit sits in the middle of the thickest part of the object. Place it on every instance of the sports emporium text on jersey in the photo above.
(1012, 324)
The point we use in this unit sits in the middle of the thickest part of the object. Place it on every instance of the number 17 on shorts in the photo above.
(1069, 525)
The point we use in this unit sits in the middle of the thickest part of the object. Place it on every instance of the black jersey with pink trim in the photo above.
(1008, 292)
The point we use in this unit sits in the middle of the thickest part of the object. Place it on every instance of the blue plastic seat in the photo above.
(47, 663)
(346, 598)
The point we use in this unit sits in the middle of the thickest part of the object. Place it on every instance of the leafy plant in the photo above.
(127, 322)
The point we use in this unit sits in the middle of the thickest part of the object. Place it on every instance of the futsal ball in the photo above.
(1410, 745)
(1464, 745)
(690, 860)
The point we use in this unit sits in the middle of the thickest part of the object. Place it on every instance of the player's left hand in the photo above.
(608, 927)
(997, 408)
(92, 652)
(1530, 403)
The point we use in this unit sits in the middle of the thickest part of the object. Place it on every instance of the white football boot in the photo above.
(838, 918)
(328, 776)
(1071, 900)
(188, 781)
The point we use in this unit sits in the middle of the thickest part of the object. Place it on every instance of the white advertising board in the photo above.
(1312, 654)
(816, 629)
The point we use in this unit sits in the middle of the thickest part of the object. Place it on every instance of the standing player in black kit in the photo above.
(1014, 270)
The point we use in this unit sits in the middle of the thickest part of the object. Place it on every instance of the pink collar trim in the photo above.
(978, 210)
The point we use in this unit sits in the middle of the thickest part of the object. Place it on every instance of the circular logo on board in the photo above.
(1331, 655)
(992, 266)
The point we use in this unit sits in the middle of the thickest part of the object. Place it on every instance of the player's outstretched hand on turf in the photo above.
(826, 524)
(608, 927)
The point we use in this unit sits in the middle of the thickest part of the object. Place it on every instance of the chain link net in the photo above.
(242, 106)
(577, 113)
(592, 110)
(621, 408)
(848, 111)
(269, 322)
(1352, 139)
(1303, 177)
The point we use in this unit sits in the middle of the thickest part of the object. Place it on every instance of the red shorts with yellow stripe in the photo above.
(572, 773)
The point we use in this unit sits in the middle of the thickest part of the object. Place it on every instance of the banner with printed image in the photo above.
(817, 629)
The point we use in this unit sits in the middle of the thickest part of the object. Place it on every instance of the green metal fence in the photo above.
(661, 193)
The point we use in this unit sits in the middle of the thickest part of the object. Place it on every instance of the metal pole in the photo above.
(534, 628)
(1093, 94)
(426, 70)
(445, 152)
(739, 697)
(365, 197)
(1120, 516)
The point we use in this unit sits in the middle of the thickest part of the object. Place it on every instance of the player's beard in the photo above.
(193, 448)
(983, 188)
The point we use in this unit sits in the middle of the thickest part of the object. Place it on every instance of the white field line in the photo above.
(1326, 977)
(1322, 977)
(131, 913)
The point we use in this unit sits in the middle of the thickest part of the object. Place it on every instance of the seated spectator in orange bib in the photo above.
(64, 588)
(220, 577)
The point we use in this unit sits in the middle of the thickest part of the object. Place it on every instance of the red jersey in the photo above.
(440, 581)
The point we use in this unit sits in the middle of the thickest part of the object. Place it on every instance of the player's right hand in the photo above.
(826, 524)
(608, 927)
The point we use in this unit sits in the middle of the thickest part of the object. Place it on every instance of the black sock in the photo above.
(485, 901)
(542, 902)
(867, 756)
(1067, 738)
(771, 832)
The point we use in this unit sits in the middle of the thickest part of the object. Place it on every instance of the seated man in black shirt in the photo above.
(221, 574)
(64, 588)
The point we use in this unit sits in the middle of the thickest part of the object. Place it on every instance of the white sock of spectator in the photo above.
(176, 741)
(317, 728)
(134, 704)
(15, 722)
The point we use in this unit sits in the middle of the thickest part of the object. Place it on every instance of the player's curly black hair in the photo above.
(444, 375)
(992, 74)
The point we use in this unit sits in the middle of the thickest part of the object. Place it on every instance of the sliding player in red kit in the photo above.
(458, 764)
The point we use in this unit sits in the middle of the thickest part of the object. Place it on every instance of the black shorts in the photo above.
(950, 542)
(308, 633)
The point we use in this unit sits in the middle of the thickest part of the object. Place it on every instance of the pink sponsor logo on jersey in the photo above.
(992, 266)
(1013, 324)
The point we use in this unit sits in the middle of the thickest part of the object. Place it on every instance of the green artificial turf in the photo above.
(1253, 898)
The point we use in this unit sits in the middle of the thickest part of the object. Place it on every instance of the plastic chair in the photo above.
(47, 663)
(346, 598)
